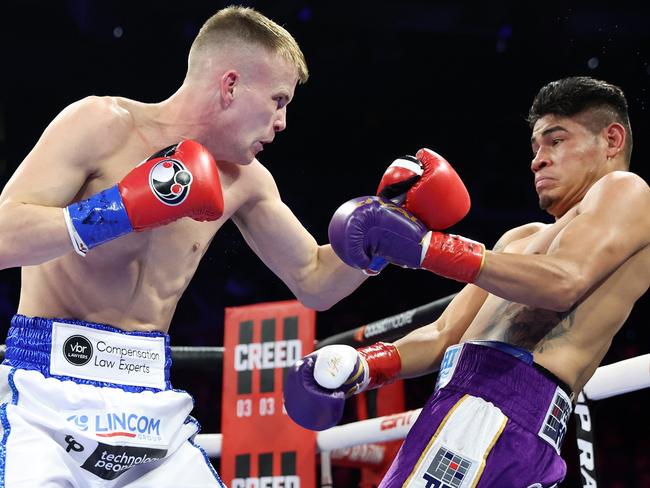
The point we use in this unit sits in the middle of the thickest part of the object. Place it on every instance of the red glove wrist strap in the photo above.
(384, 363)
(454, 257)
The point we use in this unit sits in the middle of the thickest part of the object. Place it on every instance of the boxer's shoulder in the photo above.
(517, 234)
(82, 135)
(101, 110)
(96, 125)
(256, 182)
(616, 188)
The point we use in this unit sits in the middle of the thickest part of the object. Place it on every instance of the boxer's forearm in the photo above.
(539, 281)
(327, 280)
(421, 350)
(31, 234)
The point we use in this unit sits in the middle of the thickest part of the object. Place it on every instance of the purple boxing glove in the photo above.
(316, 387)
(366, 227)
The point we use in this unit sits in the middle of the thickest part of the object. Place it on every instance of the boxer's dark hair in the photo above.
(568, 97)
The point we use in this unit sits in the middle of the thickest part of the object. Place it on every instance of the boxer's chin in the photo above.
(545, 202)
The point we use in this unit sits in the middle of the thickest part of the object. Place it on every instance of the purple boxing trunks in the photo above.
(495, 420)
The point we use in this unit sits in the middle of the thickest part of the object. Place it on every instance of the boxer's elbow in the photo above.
(319, 301)
(318, 295)
(322, 284)
(7, 230)
(566, 291)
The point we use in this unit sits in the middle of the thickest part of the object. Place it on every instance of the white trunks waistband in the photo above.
(89, 353)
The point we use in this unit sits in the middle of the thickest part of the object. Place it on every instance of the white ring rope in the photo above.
(612, 380)
(615, 379)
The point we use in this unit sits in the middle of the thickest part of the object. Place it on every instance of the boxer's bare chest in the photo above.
(516, 323)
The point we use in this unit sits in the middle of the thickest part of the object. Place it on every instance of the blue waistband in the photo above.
(29, 345)
(519, 352)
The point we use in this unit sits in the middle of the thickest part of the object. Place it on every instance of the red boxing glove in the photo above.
(432, 190)
(179, 181)
(428, 187)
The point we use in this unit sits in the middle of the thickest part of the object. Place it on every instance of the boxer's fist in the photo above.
(428, 187)
(178, 181)
(316, 387)
(368, 227)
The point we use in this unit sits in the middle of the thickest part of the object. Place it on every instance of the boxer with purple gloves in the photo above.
(537, 317)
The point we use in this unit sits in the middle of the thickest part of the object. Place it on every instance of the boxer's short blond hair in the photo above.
(244, 25)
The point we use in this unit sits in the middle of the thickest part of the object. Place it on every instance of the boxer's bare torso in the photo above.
(570, 344)
(133, 282)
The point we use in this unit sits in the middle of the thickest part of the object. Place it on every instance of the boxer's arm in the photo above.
(31, 220)
(316, 276)
(612, 224)
(421, 350)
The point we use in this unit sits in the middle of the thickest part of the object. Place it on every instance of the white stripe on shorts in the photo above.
(457, 451)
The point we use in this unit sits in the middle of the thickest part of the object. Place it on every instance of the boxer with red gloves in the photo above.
(179, 181)
(316, 387)
(243, 70)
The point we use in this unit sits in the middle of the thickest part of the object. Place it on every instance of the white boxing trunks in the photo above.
(89, 405)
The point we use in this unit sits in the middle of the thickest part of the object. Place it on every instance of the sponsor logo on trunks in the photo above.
(267, 355)
(585, 440)
(103, 355)
(119, 425)
(170, 181)
(267, 482)
(77, 350)
(557, 417)
(123, 357)
(73, 445)
(448, 365)
(447, 470)
(109, 462)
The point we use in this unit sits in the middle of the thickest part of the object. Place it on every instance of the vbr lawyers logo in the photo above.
(77, 350)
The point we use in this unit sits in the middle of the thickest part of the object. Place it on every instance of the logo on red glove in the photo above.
(170, 181)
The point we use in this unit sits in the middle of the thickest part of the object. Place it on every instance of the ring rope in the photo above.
(390, 328)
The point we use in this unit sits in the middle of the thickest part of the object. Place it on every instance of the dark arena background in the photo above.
(386, 78)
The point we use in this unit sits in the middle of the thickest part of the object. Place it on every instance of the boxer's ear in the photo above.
(227, 87)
